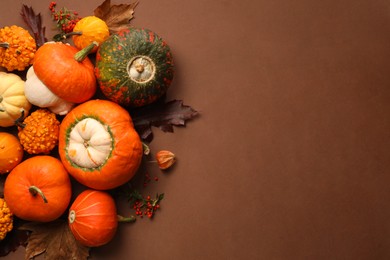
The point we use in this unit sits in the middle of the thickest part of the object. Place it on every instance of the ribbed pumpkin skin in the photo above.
(12, 99)
(126, 153)
(93, 218)
(112, 60)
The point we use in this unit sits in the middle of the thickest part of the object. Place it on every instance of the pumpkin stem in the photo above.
(72, 216)
(4, 45)
(34, 190)
(130, 219)
(82, 54)
(19, 121)
(67, 35)
(145, 148)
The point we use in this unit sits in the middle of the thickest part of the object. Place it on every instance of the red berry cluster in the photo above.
(66, 19)
(146, 206)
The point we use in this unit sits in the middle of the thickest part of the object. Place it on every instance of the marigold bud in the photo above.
(165, 159)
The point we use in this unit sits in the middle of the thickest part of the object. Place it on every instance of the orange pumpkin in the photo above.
(38, 189)
(98, 144)
(66, 71)
(93, 218)
(11, 152)
(90, 29)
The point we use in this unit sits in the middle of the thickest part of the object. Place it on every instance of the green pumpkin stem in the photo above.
(4, 45)
(67, 35)
(130, 219)
(19, 121)
(34, 190)
(145, 148)
(82, 54)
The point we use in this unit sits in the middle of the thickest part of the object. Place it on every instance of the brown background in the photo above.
(290, 156)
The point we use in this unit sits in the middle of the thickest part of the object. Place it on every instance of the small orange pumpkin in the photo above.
(90, 29)
(98, 144)
(66, 71)
(38, 133)
(93, 218)
(17, 48)
(38, 189)
(11, 152)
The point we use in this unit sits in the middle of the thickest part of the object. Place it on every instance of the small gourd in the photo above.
(88, 30)
(6, 219)
(17, 48)
(38, 133)
(12, 99)
(134, 67)
(11, 152)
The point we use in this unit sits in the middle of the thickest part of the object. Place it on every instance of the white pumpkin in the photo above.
(12, 99)
(38, 94)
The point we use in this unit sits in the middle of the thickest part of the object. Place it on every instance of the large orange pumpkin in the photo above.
(93, 218)
(66, 71)
(11, 152)
(38, 189)
(98, 144)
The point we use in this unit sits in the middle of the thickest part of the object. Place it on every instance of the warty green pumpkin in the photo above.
(134, 67)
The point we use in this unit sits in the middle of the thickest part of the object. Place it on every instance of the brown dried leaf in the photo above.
(115, 16)
(34, 22)
(55, 240)
(161, 114)
(13, 241)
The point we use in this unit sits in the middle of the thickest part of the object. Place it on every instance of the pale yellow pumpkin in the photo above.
(12, 99)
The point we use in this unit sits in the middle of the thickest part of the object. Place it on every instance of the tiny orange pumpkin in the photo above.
(17, 48)
(38, 133)
(90, 29)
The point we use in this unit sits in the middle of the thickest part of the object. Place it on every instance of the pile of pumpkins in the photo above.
(96, 140)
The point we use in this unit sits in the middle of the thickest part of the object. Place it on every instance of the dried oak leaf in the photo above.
(55, 240)
(163, 115)
(115, 16)
(34, 22)
(13, 241)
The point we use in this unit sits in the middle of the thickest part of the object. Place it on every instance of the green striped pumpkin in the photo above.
(134, 67)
